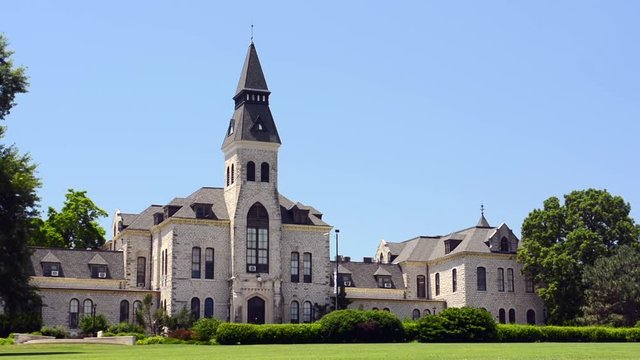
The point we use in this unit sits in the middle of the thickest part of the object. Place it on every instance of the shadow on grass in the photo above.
(41, 353)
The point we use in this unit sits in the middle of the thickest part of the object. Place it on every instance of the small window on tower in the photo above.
(231, 127)
(260, 127)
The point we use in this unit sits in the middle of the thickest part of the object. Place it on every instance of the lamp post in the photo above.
(337, 267)
(93, 316)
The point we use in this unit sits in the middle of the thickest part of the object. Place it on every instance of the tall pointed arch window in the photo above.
(257, 239)
(264, 172)
(233, 173)
(294, 312)
(124, 311)
(251, 171)
(504, 244)
(74, 306)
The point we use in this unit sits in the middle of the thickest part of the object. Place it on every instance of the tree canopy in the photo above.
(612, 285)
(75, 226)
(18, 207)
(560, 240)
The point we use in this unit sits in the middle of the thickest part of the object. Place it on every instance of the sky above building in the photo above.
(397, 119)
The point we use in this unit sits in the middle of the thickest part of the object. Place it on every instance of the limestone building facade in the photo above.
(243, 252)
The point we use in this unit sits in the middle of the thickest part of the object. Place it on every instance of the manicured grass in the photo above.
(330, 351)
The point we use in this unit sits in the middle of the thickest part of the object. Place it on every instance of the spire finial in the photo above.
(481, 209)
(252, 33)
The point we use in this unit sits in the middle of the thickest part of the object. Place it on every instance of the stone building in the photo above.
(245, 253)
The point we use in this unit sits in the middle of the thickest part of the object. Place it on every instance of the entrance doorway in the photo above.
(255, 310)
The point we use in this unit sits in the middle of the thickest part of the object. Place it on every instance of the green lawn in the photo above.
(330, 351)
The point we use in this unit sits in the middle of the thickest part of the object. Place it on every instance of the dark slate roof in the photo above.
(483, 222)
(252, 76)
(127, 219)
(214, 197)
(363, 274)
(75, 263)
(252, 120)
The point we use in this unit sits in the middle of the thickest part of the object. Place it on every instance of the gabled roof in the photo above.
(75, 263)
(381, 272)
(50, 258)
(285, 215)
(364, 274)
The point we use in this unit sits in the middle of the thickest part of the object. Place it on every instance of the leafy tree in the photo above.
(18, 206)
(613, 288)
(75, 226)
(559, 241)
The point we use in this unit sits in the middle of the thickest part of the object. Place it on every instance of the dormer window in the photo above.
(384, 281)
(450, 245)
(51, 269)
(158, 218)
(504, 244)
(99, 271)
(347, 280)
(203, 211)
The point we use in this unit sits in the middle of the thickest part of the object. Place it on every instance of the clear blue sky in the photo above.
(397, 118)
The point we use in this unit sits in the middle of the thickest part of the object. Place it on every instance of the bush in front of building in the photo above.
(458, 325)
(59, 332)
(237, 334)
(245, 334)
(87, 324)
(353, 326)
(20, 323)
(125, 327)
(205, 329)
(410, 330)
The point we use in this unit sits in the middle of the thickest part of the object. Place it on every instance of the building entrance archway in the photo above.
(255, 310)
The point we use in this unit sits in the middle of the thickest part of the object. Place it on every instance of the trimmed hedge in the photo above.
(233, 334)
(410, 330)
(205, 329)
(528, 333)
(355, 326)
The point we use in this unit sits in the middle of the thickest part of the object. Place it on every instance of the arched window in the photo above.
(195, 263)
(251, 171)
(195, 308)
(504, 244)
(74, 306)
(141, 271)
(454, 280)
(137, 308)
(375, 309)
(233, 173)
(294, 312)
(295, 267)
(264, 172)
(437, 284)
(386, 309)
(502, 317)
(306, 312)
(124, 311)
(257, 239)
(531, 317)
(482, 278)
(512, 316)
(500, 279)
(87, 306)
(228, 177)
(208, 307)
(381, 258)
(422, 293)
(208, 263)
(415, 315)
(510, 285)
(426, 312)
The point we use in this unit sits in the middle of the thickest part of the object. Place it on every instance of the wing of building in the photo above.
(246, 253)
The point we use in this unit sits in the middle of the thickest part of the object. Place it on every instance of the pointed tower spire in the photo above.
(252, 119)
(483, 221)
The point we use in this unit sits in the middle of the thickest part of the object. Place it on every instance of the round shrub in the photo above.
(125, 327)
(361, 326)
(205, 329)
(59, 332)
(458, 325)
(86, 324)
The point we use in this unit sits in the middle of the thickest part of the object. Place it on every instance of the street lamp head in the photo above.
(337, 231)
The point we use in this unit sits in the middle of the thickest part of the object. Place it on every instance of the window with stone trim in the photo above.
(531, 317)
(141, 271)
(504, 244)
(421, 283)
(295, 267)
(437, 284)
(510, 280)
(124, 311)
(208, 307)
(137, 307)
(502, 317)
(208, 263)
(500, 279)
(294, 312)
(195, 308)
(529, 285)
(228, 176)
(454, 280)
(87, 307)
(257, 239)
(251, 171)
(264, 172)
(512, 316)
(481, 278)
(195, 262)
(306, 267)
(307, 312)
(415, 315)
(74, 316)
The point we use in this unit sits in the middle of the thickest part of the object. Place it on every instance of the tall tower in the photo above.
(251, 194)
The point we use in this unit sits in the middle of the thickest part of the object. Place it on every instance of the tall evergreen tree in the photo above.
(18, 208)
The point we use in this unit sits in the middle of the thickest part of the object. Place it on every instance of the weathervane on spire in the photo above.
(252, 33)
(481, 208)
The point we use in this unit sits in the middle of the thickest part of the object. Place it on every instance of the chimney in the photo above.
(347, 259)
(367, 260)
